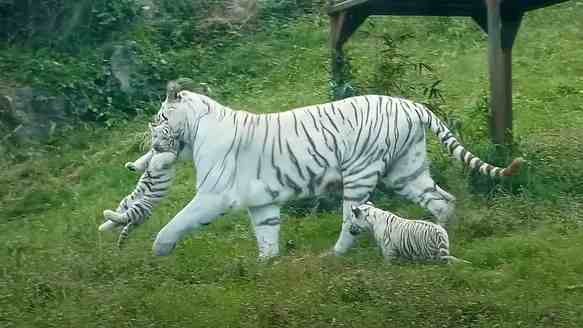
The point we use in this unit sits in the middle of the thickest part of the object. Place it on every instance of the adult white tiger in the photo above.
(259, 161)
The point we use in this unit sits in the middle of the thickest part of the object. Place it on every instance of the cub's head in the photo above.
(360, 218)
(164, 139)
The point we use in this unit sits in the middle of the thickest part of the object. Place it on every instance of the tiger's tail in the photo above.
(457, 150)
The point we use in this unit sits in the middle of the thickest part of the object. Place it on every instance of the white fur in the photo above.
(258, 162)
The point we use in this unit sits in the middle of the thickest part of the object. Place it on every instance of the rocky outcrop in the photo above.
(29, 114)
(123, 65)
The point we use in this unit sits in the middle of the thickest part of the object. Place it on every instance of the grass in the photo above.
(524, 244)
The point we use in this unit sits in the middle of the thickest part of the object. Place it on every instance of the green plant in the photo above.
(62, 24)
(399, 73)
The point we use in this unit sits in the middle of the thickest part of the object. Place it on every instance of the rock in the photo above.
(124, 65)
(31, 114)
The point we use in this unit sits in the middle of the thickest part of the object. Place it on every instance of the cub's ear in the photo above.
(369, 203)
(356, 211)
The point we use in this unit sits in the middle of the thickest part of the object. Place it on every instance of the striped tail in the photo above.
(120, 220)
(457, 150)
(124, 234)
(452, 259)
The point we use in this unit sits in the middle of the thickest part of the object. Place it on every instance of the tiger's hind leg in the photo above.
(410, 177)
(266, 223)
(425, 192)
(390, 254)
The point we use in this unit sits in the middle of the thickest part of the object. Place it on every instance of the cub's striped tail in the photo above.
(452, 259)
(458, 151)
(121, 220)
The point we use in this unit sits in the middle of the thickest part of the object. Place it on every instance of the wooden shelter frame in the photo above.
(500, 19)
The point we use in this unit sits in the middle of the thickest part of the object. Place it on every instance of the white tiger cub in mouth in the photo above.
(153, 185)
(397, 237)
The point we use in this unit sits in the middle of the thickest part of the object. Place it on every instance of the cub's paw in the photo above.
(109, 225)
(114, 217)
(131, 166)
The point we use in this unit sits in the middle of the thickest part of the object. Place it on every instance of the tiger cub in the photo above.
(153, 185)
(397, 237)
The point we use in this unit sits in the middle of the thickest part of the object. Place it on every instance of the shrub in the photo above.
(64, 24)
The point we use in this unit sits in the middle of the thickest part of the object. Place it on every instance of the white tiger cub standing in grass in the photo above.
(397, 237)
(153, 185)
(257, 162)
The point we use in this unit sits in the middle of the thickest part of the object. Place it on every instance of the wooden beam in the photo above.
(436, 7)
(528, 5)
(339, 6)
(425, 7)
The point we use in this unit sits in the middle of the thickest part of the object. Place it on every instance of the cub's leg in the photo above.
(409, 177)
(140, 164)
(201, 211)
(390, 254)
(266, 223)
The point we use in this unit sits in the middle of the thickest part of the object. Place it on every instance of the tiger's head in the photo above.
(360, 218)
(185, 104)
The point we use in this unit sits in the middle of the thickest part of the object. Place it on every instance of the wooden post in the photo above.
(502, 30)
(337, 55)
(500, 77)
(342, 25)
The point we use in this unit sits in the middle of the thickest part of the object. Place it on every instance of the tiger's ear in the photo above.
(203, 88)
(369, 203)
(356, 211)
(174, 87)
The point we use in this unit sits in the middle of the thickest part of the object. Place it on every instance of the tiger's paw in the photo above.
(268, 260)
(328, 253)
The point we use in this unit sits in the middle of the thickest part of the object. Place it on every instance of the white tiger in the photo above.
(402, 238)
(153, 185)
(259, 161)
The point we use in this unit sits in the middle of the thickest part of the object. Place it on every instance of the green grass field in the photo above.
(525, 242)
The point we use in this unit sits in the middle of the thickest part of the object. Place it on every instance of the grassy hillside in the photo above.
(524, 241)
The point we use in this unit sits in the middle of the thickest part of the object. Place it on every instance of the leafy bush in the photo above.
(64, 24)
(400, 74)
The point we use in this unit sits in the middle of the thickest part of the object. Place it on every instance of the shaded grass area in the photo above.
(524, 243)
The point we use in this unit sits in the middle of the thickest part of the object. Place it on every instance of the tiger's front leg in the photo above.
(201, 211)
(346, 239)
(266, 223)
